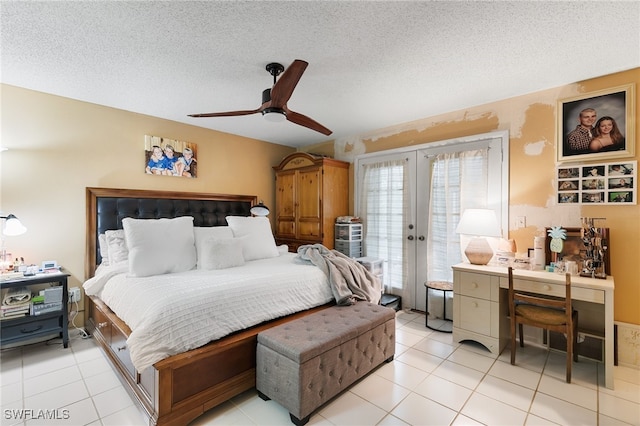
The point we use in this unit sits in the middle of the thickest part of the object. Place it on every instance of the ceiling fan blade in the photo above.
(305, 121)
(282, 90)
(228, 113)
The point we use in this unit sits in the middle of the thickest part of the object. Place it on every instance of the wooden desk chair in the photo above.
(555, 314)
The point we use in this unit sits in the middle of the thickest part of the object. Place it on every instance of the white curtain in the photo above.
(384, 206)
(458, 182)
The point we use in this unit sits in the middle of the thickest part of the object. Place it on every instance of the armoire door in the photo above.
(309, 203)
(286, 204)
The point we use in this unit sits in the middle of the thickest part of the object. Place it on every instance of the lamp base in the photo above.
(478, 251)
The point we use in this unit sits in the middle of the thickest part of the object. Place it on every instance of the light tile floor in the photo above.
(432, 381)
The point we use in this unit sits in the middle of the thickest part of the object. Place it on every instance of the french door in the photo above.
(410, 201)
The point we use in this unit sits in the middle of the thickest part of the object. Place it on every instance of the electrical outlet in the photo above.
(74, 294)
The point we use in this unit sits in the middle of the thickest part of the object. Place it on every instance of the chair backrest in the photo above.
(516, 297)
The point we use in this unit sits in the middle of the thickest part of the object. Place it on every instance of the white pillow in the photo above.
(259, 243)
(221, 253)
(160, 246)
(116, 246)
(103, 249)
(283, 248)
(204, 233)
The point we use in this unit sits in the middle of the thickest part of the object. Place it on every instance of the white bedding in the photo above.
(173, 313)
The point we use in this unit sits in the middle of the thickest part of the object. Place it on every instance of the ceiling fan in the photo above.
(274, 100)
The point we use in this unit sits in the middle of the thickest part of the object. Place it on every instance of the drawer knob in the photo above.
(546, 287)
(474, 285)
(475, 304)
(102, 324)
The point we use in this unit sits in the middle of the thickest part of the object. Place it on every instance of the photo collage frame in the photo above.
(605, 183)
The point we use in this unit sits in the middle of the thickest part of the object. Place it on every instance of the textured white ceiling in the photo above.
(371, 64)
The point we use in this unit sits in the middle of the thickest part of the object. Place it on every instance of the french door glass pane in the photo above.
(458, 181)
(384, 200)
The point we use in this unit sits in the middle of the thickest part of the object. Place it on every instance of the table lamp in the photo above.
(479, 223)
(260, 209)
(11, 227)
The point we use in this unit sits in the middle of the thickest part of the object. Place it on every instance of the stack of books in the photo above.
(14, 311)
(15, 303)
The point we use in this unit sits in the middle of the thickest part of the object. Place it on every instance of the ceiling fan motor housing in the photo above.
(266, 95)
(267, 112)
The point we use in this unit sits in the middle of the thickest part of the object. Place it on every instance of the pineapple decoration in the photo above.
(557, 234)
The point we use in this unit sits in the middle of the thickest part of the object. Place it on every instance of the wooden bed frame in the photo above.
(180, 388)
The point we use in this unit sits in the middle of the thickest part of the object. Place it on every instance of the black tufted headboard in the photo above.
(106, 207)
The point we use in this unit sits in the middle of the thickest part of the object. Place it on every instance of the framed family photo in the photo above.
(170, 157)
(597, 125)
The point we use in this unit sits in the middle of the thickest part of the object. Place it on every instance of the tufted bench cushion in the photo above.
(304, 363)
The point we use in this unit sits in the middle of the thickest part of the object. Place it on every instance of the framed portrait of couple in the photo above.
(597, 125)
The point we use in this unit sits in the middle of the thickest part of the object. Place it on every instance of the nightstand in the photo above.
(30, 326)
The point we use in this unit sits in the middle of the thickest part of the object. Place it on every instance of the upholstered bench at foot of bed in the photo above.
(304, 363)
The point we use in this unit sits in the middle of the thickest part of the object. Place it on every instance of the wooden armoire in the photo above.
(311, 192)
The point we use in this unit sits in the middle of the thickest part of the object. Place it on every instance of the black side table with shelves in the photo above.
(29, 326)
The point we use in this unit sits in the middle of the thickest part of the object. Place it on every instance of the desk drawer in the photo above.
(475, 285)
(548, 289)
(475, 315)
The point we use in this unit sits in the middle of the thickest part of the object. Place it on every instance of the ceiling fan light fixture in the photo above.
(274, 115)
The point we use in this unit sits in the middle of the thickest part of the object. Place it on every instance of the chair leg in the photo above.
(520, 329)
(570, 349)
(513, 341)
(575, 339)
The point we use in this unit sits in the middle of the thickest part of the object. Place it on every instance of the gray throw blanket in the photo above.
(349, 280)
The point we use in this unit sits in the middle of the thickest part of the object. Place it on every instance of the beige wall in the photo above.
(531, 122)
(58, 146)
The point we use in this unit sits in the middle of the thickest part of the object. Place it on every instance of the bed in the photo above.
(180, 386)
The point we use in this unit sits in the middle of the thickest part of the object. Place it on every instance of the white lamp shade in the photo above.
(13, 226)
(260, 210)
(479, 222)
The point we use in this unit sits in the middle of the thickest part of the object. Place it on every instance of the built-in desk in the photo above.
(480, 304)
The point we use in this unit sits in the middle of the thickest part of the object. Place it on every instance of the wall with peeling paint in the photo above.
(531, 122)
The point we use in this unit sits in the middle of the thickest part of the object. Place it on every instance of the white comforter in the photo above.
(173, 313)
